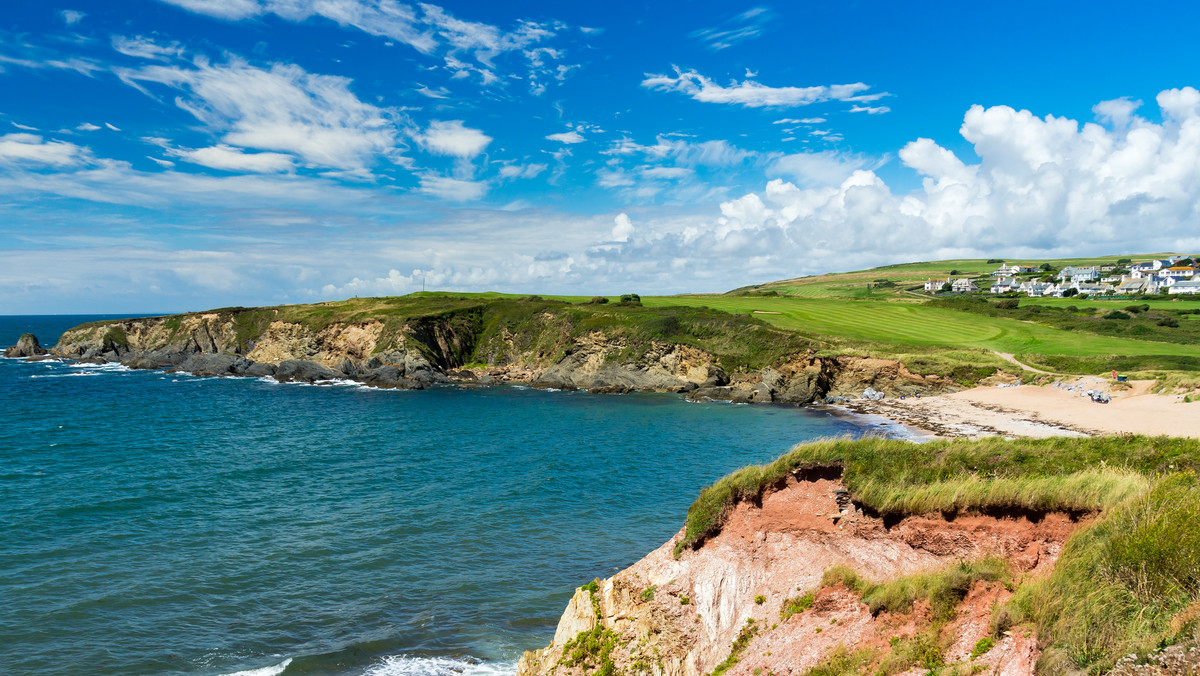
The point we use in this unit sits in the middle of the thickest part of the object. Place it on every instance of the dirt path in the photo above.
(1008, 357)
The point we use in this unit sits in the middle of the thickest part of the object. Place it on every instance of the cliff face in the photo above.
(540, 343)
(722, 604)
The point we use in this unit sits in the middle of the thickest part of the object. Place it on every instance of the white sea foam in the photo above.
(403, 665)
(110, 366)
(264, 671)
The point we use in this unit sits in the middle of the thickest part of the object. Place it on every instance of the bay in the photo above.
(157, 523)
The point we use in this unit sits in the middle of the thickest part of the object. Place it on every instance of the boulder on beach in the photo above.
(27, 346)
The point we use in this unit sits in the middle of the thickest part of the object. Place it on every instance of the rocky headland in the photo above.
(538, 343)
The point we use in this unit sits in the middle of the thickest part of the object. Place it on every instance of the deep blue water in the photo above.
(155, 523)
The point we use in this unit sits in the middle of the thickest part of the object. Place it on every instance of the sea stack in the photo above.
(27, 346)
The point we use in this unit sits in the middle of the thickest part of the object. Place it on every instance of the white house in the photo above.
(1191, 286)
(1037, 289)
(1093, 289)
(1079, 274)
(1178, 272)
(935, 285)
(1132, 285)
(963, 285)
(1005, 285)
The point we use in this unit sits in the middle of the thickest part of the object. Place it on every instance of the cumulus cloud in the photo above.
(1042, 185)
(280, 109)
(454, 139)
(749, 93)
(71, 16)
(622, 228)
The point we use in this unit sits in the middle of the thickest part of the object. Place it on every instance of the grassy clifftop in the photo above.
(1127, 583)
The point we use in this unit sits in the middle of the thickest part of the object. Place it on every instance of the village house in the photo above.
(1073, 274)
(963, 285)
(1009, 270)
(1038, 289)
(1178, 272)
(960, 285)
(1005, 285)
(1191, 287)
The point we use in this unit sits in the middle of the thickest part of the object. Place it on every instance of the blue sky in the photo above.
(167, 155)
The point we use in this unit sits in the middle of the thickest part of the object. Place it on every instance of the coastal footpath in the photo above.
(415, 342)
(1000, 557)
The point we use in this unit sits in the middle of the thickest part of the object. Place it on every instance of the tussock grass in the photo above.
(896, 477)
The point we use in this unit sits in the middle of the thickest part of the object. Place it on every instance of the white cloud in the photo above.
(71, 17)
(112, 127)
(1116, 112)
(803, 120)
(87, 126)
(425, 27)
(870, 110)
(452, 138)
(515, 171)
(24, 127)
(568, 137)
(745, 26)
(750, 93)
(227, 158)
(281, 109)
(623, 228)
(818, 168)
(453, 189)
(33, 149)
(145, 48)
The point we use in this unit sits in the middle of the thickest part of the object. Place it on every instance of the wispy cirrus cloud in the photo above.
(427, 28)
(749, 93)
(32, 149)
(744, 26)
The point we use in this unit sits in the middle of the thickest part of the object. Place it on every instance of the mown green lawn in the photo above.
(915, 324)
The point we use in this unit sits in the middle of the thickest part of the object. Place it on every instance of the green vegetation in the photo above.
(760, 599)
(648, 593)
(841, 662)
(982, 646)
(591, 651)
(748, 632)
(943, 589)
(796, 605)
(1142, 322)
(1129, 582)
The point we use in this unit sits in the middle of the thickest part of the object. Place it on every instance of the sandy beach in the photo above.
(1058, 409)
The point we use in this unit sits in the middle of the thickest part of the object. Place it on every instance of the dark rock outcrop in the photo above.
(27, 346)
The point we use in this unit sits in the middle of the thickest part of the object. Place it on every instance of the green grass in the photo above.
(923, 325)
(897, 477)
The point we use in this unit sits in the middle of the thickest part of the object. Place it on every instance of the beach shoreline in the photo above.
(1060, 408)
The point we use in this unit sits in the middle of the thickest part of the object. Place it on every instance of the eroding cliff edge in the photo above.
(751, 600)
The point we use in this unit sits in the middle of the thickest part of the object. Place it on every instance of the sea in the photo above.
(162, 523)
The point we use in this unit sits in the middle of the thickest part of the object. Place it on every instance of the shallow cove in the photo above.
(161, 523)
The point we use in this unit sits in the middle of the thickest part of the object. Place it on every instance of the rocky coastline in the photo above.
(444, 352)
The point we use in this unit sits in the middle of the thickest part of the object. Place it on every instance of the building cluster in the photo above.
(1156, 276)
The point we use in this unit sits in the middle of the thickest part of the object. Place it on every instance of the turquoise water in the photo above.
(155, 523)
